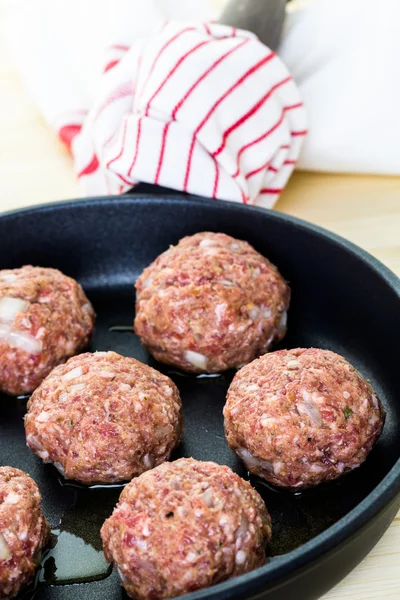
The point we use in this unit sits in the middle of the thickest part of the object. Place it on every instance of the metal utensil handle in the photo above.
(263, 17)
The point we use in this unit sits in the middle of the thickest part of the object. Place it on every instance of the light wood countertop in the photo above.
(36, 168)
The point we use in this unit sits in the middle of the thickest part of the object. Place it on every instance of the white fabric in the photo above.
(344, 56)
(59, 46)
(197, 107)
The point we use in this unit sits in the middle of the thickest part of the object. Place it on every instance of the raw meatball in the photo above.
(210, 303)
(104, 418)
(23, 530)
(300, 417)
(184, 526)
(45, 318)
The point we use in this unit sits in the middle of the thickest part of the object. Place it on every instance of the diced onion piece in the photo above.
(5, 553)
(208, 497)
(266, 421)
(316, 469)
(247, 457)
(227, 283)
(73, 374)
(309, 409)
(243, 527)
(266, 313)
(293, 364)
(44, 455)
(148, 461)
(206, 243)
(32, 442)
(43, 417)
(147, 283)
(220, 310)
(254, 313)
(23, 341)
(125, 387)
(12, 498)
(251, 461)
(252, 387)
(234, 246)
(240, 557)
(191, 557)
(256, 272)
(76, 387)
(196, 359)
(107, 374)
(10, 307)
(142, 545)
(59, 468)
(8, 277)
(277, 466)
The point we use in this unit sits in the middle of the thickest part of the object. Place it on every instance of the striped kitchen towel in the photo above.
(197, 107)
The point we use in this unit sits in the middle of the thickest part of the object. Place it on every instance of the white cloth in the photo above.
(344, 56)
(192, 106)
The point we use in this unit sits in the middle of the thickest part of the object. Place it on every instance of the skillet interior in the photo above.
(340, 301)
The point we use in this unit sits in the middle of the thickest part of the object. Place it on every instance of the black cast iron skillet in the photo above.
(343, 299)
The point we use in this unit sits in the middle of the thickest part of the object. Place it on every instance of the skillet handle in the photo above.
(265, 18)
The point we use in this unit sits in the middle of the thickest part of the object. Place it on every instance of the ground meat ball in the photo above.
(184, 526)
(210, 303)
(104, 418)
(45, 318)
(23, 530)
(300, 417)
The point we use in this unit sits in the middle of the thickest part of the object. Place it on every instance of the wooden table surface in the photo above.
(36, 168)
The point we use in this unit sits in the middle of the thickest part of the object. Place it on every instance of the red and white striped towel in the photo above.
(198, 107)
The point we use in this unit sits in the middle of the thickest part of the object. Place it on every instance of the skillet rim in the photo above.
(384, 494)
